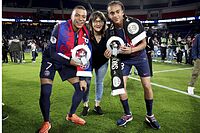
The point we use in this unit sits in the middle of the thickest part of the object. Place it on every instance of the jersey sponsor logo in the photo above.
(133, 28)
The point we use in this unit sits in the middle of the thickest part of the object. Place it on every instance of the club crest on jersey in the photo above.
(133, 28)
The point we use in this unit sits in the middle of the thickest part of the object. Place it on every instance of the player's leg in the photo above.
(144, 72)
(148, 95)
(76, 100)
(86, 108)
(124, 98)
(47, 74)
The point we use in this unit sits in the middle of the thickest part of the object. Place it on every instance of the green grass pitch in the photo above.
(176, 112)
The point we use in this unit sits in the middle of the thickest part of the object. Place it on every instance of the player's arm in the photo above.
(142, 44)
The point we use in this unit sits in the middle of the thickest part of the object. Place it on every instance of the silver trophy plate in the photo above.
(81, 54)
(113, 44)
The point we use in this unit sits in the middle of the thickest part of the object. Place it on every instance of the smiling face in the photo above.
(116, 14)
(78, 18)
(97, 24)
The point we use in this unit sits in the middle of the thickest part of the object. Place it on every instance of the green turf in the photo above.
(175, 112)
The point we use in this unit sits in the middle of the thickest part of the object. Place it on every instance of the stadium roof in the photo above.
(98, 4)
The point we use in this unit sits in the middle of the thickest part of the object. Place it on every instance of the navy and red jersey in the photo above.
(131, 33)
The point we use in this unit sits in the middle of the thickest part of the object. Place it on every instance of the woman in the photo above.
(97, 25)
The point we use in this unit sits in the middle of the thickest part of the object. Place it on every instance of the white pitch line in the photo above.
(171, 70)
(168, 88)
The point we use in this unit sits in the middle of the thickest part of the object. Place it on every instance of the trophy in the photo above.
(113, 44)
(81, 54)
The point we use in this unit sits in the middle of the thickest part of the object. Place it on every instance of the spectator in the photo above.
(97, 23)
(171, 42)
(4, 50)
(34, 52)
(196, 69)
(179, 50)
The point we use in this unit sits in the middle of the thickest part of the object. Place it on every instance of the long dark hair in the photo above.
(93, 17)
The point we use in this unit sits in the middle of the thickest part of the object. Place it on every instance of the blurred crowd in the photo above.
(18, 38)
(168, 47)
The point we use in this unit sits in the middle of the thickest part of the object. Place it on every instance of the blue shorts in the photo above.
(140, 62)
(50, 66)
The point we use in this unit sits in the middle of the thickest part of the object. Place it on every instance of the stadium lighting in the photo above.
(149, 22)
(180, 19)
(190, 18)
(8, 20)
(51, 21)
(24, 20)
(146, 21)
(166, 20)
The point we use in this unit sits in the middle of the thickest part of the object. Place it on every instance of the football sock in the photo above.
(45, 100)
(86, 95)
(77, 97)
(126, 106)
(149, 104)
(97, 103)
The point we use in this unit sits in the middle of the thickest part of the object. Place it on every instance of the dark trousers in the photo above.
(150, 63)
(163, 53)
(179, 56)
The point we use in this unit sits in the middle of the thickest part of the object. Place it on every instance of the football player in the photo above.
(57, 56)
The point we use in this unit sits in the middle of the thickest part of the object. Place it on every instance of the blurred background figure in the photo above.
(163, 46)
(188, 50)
(196, 69)
(179, 50)
(171, 42)
(156, 44)
(34, 52)
(4, 50)
(16, 50)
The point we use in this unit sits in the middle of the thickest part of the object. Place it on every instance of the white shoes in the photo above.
(190, 90)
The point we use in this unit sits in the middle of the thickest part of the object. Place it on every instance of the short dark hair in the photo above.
(79, 7)
(116, 3)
